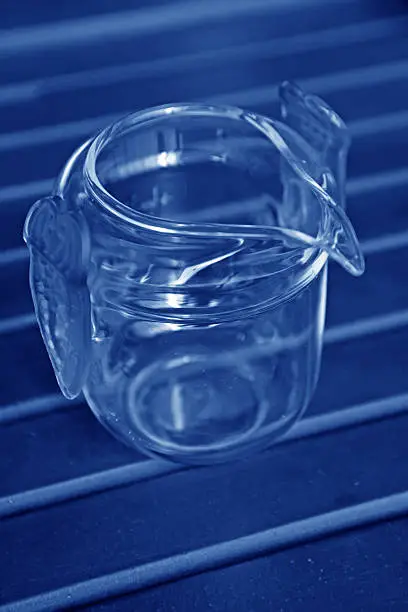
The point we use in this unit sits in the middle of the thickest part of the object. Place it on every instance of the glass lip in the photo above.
(141, 220)
(139, 118)
(311, 263)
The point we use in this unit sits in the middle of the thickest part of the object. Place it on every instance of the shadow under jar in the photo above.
(179, 272)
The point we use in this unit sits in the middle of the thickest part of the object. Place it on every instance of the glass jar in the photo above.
(179, 272)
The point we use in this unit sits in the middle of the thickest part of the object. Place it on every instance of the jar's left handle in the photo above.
(59, 243)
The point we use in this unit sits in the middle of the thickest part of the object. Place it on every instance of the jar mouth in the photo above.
(131, 122)
(169, 157)
(251, 141)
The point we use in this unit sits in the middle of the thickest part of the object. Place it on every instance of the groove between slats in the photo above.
(29, 501)
(219, 555)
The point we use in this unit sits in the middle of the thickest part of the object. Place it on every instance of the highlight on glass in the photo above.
(179, 270)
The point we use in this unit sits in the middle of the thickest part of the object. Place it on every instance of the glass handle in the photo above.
(321, 128)
(59, 246)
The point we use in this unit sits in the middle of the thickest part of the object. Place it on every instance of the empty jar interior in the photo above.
(194, 164)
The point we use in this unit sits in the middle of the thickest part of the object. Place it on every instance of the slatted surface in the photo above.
(317, 523)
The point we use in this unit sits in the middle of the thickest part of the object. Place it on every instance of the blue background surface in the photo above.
(316, 523)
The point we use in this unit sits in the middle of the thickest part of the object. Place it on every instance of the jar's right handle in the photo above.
(323, 129)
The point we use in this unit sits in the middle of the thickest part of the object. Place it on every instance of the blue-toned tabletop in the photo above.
(315, 523)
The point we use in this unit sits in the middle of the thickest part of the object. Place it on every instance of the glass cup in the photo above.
(179, 271)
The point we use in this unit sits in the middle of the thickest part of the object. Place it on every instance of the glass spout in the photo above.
(341, 242)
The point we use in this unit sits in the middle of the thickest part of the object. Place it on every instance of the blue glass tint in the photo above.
(179, 272)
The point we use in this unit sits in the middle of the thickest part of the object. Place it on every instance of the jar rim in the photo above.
(119, 128)
(129, 215)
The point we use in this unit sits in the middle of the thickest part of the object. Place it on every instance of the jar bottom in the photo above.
(201, 416)
(201, 411)
(201, 396)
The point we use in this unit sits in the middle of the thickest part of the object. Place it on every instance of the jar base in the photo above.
(200, 420)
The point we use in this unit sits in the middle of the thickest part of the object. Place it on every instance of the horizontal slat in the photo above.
(362, 370)
(35, 189)
(389, 179)
(338, 85)
(376, 244)
(382, 209)
(79, 445)
(23, 15)
(381, 149)
(386, 242)
(38, 406)
(307, 44)
(366, 327)
(115, 477)
(201, 36)
(355, 187)
(132, 23)
(292, 496)
(15, 201)
(75, 132)
(379, 290)
(247, 82)
(15, 277)
(18, 323)
(358, 570)
(43, 151)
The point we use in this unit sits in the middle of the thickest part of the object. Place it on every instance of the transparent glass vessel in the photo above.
(179, 272)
